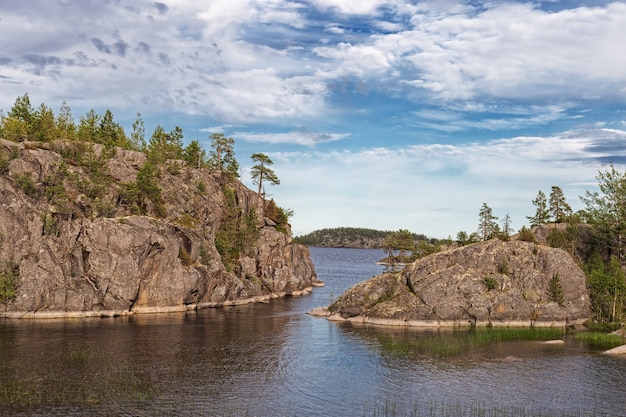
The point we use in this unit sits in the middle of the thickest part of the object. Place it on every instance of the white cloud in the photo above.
(438, 189)
(310, 139)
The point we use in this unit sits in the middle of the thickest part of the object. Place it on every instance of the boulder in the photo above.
(488, 283)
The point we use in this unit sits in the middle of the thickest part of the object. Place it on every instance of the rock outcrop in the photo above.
(73, 246)
(488, 283)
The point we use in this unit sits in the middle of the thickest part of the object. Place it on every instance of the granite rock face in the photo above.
(76, 254)
(487, 283)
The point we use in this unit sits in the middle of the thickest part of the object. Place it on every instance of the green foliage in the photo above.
(487, 226)
(138, 135)
(8, 281)
(194, 155)
(4, 163)
(400, 242)
(526, 235)
(25, 182)
(504, 268)
(50, 225)
(601, 340)
(424, 248)
(607, 287)
(145, 190)
(491, 283)
(559, 208)
(262, 173)
(555, 290)
(222, 155)
(163, 146)
(278, 215)
(237, 231)
(542, 214)
(557, 239)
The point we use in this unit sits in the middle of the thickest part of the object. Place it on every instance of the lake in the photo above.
(275, 360)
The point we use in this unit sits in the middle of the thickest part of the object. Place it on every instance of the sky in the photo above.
(382, 114)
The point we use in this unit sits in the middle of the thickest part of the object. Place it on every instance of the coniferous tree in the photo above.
(262, 173)
(542, 214)
(606, 211)
(88, 127)
(23, 111)
(506, 227)
(194, 155)
(138, 135)
(43, 127)
(487, 227)
(559, 208)
(110, 133)
(65, 126)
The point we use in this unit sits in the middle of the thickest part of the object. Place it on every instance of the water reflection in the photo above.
(274, 360)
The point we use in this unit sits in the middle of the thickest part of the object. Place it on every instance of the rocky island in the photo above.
(491, 283)
(89, 230)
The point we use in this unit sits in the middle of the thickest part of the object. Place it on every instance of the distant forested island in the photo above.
(351, 237)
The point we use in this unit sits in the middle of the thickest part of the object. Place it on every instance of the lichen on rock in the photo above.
(488, 283)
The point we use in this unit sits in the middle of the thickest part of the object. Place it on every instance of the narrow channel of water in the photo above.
(274, 360)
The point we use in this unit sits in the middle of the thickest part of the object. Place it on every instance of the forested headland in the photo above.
(351, 237)
(96, 220)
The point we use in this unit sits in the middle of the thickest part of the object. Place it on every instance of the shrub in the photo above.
(504, 267)
(8, 281)
(26, 183)
(491, 283)
(555, 290)
(526, 235)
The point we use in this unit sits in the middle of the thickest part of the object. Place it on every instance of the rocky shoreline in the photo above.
(325, 313)
(152, 310)
(72, 245)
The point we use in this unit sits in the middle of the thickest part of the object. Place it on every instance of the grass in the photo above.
(391, 409)
(601, 340)
(448, 345)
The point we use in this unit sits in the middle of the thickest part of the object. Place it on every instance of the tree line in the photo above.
(600, 252)
(24, 122)
(164, 150)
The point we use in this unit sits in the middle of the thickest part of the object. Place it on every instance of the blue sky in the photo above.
(384, 114)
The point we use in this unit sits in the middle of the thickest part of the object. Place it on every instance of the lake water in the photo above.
(275, 360)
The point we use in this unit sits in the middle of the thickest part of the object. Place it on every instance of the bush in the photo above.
(555, 290)
(8, 281)
(526, 235)
(491, 283)
(27, 185)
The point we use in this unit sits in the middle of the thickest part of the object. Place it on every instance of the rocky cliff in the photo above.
(85, 231)
(487, 283)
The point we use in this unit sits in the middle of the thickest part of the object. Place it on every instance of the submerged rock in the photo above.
(487, 283)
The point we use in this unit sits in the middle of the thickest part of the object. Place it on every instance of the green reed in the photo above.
(455, 343)
(601, 340)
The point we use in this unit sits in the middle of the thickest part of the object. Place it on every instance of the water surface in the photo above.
(274, 360)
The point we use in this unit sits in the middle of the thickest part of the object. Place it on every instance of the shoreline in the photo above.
(45, 315)
(324, 313)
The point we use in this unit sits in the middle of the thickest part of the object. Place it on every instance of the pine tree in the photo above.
(262, 173)
(555, 290)
(559, 208)
(65, 125)
(487, 227)
(138, 136)
(542, 214)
